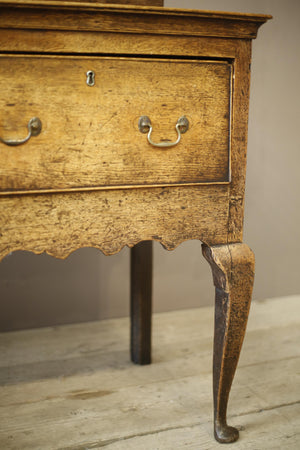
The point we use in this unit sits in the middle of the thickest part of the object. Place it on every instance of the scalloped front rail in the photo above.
(59, 224)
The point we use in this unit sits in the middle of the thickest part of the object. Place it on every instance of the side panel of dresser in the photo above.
(61, 223)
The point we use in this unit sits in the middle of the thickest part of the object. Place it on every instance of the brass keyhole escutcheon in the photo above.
(90, 78)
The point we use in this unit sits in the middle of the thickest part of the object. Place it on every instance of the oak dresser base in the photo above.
(136, 132)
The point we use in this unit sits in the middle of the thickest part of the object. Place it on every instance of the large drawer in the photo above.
(90, 137)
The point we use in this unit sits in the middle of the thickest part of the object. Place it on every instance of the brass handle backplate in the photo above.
(145, 126)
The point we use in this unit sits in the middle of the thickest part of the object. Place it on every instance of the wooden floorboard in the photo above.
(74, 388)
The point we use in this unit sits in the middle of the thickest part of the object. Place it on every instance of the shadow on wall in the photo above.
(38, 290)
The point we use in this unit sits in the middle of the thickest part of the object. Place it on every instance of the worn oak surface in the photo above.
(114, 43)
(94, 180)
(120, 2)
(59, 224)
(128, 19)
(233, 275)
(73, 387)
(90, 136)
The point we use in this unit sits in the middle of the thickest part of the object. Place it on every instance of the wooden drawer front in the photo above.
(90, 137)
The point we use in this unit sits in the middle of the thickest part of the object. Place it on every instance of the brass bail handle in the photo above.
(34, 128)
(181, 127)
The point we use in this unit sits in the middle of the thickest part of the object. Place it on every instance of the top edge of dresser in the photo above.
(131, 18)
(98, 6)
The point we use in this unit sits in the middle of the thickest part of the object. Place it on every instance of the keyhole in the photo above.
(90, 78)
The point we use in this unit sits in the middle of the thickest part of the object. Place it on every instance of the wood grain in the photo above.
(239, 135)
(114, 43)
(128, 19)
(233, 274)
(90, 135)
(221, 204)
(74, 387)
(117, 189)
(119, 2)
(58, 224)
(217, 212)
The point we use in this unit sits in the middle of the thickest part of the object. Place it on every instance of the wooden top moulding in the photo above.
(59, 15)
(122, 2)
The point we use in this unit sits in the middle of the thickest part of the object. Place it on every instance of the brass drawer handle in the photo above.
(145, 126)
(34, 128)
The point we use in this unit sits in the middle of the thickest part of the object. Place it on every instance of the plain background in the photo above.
(40, 291)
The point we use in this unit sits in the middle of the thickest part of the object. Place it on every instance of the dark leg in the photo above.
(233, 273)
(141, 302)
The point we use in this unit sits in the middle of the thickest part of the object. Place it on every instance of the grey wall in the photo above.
(39, 290)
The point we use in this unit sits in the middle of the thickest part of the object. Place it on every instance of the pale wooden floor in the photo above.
(73, 387)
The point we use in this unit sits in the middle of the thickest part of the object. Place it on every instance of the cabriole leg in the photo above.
(141, 302)
(233, 274)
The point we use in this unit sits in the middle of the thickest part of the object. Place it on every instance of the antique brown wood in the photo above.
(90, 178)
(80, 17)
(121, 2)
(76, 116)
(233, 274)
(141, 302)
